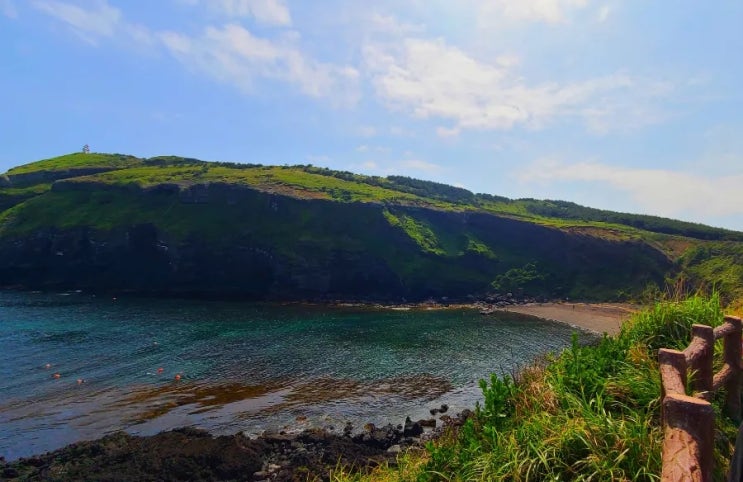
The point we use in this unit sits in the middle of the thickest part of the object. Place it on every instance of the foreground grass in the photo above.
(590, 413)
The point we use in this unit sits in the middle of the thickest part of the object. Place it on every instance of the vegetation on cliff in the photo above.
(187, 225)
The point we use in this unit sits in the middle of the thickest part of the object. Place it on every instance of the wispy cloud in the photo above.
(269, 12)
(234, 55)
(368, 148)
(687, 195)
(603, 14)
(98, 20)
(391, 25)
(231, 53)
(431, 79)
(420, 165)
(446, 132)
(406, 166)
(94, 21)
(7, 7)
(367, 131)
(549, 11)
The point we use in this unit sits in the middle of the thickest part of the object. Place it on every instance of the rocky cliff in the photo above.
(234, 239)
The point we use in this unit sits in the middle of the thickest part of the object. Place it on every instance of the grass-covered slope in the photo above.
(171, 224)
(71, 162)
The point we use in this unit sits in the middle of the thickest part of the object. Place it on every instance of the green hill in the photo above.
(172, 225)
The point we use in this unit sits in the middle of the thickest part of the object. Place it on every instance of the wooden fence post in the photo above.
(688, 439)
(689, 422)
(672, 371)
(700, 354)
(731, 354)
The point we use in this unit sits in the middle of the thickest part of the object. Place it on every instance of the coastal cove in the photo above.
(243, 366)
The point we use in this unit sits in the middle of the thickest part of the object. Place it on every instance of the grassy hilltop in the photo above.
(180, 225)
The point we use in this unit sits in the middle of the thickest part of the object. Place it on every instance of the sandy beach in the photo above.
(597, 317)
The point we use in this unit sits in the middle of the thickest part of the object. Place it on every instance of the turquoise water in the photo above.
(249, 367)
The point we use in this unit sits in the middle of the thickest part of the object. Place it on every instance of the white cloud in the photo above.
(367, 131)
(624, 113)
(408, 167)
(446, 132)
(678, 194)
(7, 7)
(269, 12)
(550, 11)
(399, 131)
(390, 25)
(178, 44)
(232, 54)
(508, 61)
(95, 21)
(100, 20)
(604, 12)
(368, 148)
(430, 79)
(420, 165)
(138, 33)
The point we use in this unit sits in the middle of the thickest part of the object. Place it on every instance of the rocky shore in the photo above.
(195, 455)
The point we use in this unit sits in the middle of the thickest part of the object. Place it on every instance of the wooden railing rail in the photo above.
(688, 421)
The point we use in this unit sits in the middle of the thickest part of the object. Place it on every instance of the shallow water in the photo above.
(249, 367)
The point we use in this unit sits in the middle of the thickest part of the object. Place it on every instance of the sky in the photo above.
(629, 105)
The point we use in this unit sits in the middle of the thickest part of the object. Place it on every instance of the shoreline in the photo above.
(195, 454)
(596, 317)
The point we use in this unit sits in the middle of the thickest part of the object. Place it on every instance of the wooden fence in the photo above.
(688, 421)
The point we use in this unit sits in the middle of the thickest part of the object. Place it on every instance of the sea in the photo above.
(75, 366)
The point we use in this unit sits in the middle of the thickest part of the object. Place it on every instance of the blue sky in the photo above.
(629, 105)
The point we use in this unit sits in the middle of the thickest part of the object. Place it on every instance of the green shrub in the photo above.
(517, 279)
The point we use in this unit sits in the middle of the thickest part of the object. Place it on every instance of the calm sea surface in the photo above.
(243, 367)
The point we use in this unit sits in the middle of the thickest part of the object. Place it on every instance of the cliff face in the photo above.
(224, 240)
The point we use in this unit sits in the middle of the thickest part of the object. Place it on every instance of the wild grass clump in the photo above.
(584, 416)
(589, 413)
(407, 468)
(668, 324)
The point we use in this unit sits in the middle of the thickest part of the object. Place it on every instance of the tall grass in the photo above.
(589, 413)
